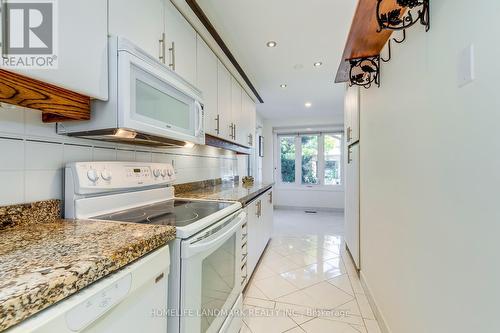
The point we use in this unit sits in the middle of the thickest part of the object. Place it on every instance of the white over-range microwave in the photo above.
(149, 104)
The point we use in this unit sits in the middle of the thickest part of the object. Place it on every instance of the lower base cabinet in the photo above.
(260, 227)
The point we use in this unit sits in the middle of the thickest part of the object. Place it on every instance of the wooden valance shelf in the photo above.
(56, 104)
(364, 40)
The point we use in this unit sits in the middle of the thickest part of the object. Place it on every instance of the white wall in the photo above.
(32, 157)
(430, 177)
(299, 197)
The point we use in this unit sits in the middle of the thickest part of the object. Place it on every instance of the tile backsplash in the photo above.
(33, 156)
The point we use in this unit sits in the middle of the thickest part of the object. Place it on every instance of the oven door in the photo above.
(154, 100)
(210, 275)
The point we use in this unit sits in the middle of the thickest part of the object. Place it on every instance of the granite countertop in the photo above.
(43, 263)
(230, 191)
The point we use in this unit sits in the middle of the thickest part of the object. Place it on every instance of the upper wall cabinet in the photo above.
(236, 112)
(224, 102)
(180, 43)
(82, 49)
(249, 120)
(207, 83)
(351, 114)
(142, 22)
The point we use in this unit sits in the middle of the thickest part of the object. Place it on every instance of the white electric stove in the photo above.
(204, 280)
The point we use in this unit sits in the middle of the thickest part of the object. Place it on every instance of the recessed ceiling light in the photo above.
(271, 44)
(308, 105)
(283, 86)
(317, 64)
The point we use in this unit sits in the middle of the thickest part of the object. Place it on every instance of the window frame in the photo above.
(298, 160)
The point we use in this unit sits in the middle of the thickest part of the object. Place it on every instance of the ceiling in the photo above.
(307, 31)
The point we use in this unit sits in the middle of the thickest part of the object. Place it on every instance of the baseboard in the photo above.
(318, 209)
(382, 323)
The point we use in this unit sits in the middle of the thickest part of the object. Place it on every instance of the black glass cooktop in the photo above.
(175, 212)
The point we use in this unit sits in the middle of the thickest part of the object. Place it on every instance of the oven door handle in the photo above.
(204, 245)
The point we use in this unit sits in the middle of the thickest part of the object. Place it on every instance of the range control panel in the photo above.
(108, 176)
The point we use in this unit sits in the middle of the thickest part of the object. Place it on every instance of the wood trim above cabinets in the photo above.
(56, 104)
(211, 29)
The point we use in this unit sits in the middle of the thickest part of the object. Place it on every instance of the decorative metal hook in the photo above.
(364, 72)
(402, 40)
(405, 16)
(390, 53)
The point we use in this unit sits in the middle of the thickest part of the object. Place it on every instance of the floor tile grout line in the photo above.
(302, 289)
(346, 272)
(354, 292)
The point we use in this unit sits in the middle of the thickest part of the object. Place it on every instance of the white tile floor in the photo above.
(306, 281)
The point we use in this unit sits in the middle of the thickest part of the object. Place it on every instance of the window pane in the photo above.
(309, 159)
(333, 150)
(287, 146)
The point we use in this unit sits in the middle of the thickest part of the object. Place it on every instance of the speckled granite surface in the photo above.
(227, 191)
(42, 263)
(36, 212)
(194, 186)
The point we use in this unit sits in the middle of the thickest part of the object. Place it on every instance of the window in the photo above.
(310, 159)
(333, 151)
(287, 146)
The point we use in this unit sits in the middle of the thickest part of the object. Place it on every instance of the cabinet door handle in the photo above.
(172, 56)
(162, 48)
(270, 197)
(233, 131)
(217, 121)
(259, 209)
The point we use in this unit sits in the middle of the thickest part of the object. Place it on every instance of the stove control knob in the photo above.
(164, 173)
(92, 175)
(106, 175)
(156, 173)
(170, 172)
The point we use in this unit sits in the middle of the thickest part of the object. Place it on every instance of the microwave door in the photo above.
(151, 103)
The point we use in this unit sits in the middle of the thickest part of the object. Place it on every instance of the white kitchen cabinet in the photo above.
(237, 117)
(248, 120)
(255, 221)
(224, 102)
(181, 40)
(80, 45)
(253, 123)
(142, 22)
(260, 227)
(268, 213)
(351, 114)
(207, 82)
(352, 238)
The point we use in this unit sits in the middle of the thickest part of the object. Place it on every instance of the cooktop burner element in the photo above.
(174, 212)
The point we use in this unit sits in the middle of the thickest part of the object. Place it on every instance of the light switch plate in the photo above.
(466, 71)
